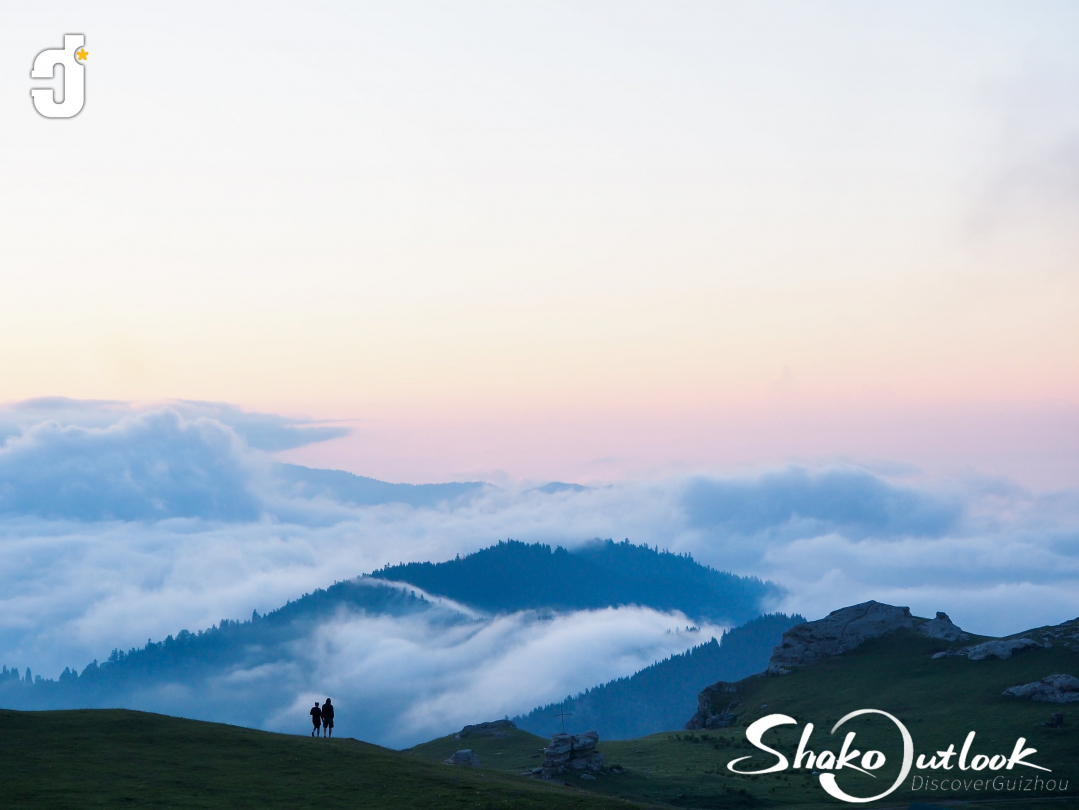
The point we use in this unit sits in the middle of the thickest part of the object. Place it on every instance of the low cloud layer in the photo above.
(796, 502)
(120, 525)
(401, 681)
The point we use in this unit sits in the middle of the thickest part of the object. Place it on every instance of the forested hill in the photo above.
(506, 577)
(663, 696)
(516, 576)
(189, 657)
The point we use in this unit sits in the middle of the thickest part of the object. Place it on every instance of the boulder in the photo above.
(1051, 689)
(1001, 648)
(715, 708)
(1065, 683)
(464, 757)
(494, 728)
(840, 631)
(571, 752)
(942, 627)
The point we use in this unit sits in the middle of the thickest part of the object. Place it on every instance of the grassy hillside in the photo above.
(518, 752)
(939, 701)
(116, 758)
(105, 758)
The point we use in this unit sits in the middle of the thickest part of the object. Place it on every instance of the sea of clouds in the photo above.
(120, 524)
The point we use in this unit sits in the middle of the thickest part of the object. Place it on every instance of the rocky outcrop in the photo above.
(1052, 689)
(1001, 648)
(839, 632)
(942, 628)
(1065, 634)
(494, 728)
(715, 707)
(465, 757)
(1056, 720)
(571, 752)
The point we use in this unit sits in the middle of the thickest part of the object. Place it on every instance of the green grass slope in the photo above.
(939, 701)
(118, 758)
(517, 752)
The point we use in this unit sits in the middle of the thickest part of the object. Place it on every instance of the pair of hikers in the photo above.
(322, 718)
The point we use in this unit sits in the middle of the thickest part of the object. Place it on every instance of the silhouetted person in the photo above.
(327, 718)
(316, 720)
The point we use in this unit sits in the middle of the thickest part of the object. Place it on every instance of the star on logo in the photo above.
(81, 54)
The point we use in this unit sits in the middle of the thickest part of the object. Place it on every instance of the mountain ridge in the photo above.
(599, 574)
(358, 490)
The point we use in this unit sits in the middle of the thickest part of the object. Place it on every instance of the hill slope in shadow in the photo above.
(117, 758)
(661, 697)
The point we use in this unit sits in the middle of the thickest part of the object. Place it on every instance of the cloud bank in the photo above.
(119, 524)
(262, 431)
(145, 467)
(399, 681)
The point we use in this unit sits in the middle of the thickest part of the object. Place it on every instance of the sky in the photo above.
(583, 241)
(793, 287)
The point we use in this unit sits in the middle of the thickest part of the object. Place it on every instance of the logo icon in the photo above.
(826, 762)
(72, 60)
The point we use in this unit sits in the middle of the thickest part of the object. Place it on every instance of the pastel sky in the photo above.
(582, 241)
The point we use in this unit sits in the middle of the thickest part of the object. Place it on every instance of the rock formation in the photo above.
(942, 628)
(494, 728)
(465, 757)
(839, 632)
(1001, 648)
(715, 707)
(1051, 689)
(576, 752)
(1066, 634)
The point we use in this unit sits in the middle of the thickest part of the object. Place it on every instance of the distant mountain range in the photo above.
(357, 490)
(345, 487)
(559, 486)
(662, 696)
(514, 576)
